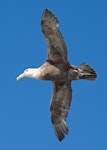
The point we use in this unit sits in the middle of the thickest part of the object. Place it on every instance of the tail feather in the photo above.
(86, 72)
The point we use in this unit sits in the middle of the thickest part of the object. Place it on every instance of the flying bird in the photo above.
(58, 70)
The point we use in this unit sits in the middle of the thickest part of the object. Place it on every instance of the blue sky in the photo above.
(24, 106)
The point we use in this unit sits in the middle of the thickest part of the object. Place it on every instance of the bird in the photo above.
(59, 71)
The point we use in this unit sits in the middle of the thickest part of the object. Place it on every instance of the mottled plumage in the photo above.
(56, 46)
(60, 72)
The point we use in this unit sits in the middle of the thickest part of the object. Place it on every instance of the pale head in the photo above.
(29, 73)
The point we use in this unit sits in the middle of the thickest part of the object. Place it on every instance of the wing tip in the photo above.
(60, 129)
(49, 17)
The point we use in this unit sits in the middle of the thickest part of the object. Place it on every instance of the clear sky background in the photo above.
(24, 105)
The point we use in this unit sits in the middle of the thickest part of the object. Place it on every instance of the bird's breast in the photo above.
(51, 72)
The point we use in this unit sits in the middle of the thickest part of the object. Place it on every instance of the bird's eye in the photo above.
(26, 70)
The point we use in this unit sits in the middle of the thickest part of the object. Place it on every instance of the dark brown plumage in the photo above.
(56, 45)
(62, 92)
(60, 72)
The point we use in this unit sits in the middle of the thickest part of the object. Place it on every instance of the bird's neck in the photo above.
(36, 73)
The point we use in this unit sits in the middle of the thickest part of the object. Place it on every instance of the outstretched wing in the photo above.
(60, 105)
(56, 45)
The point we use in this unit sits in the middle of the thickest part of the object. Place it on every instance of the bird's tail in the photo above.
(83, 71)
(86, 72)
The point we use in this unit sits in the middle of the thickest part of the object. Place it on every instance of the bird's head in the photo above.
(28, 73)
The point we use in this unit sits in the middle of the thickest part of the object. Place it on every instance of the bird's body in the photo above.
(59, 71)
